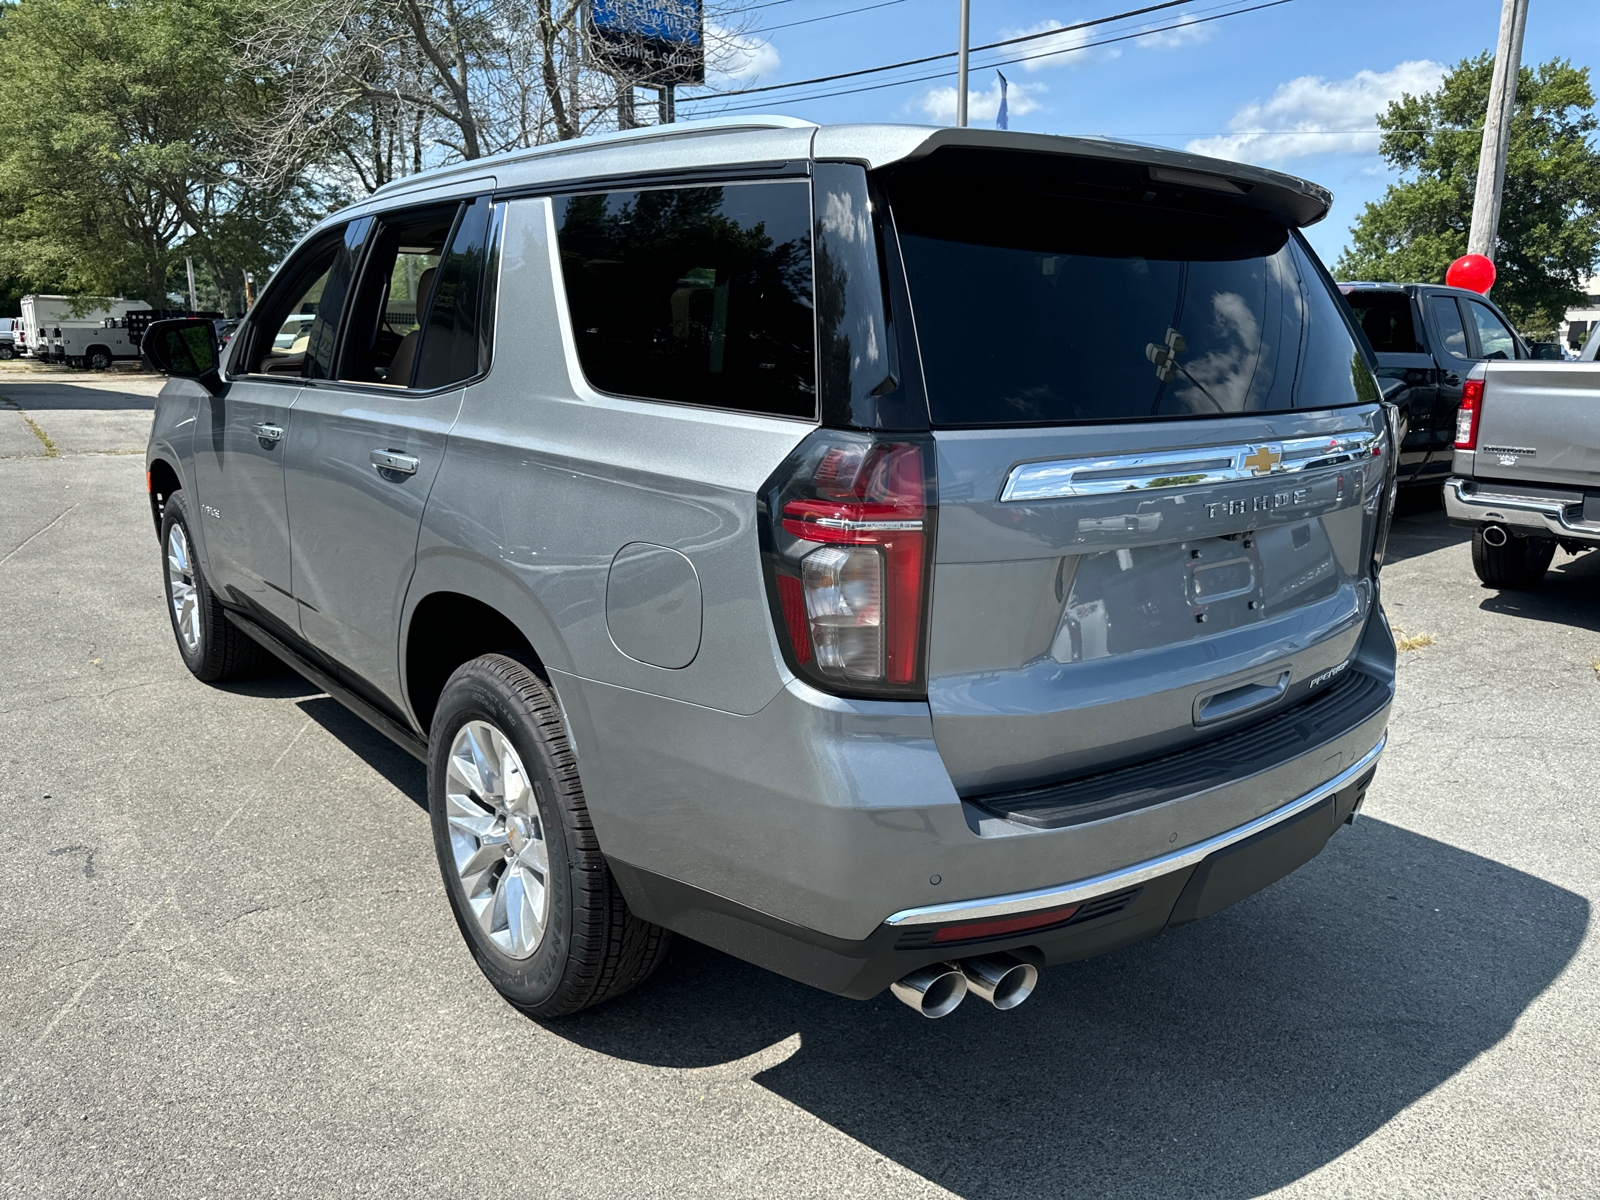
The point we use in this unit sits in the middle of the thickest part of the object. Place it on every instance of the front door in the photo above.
(365, 446)
(241, 432)
(238, 469)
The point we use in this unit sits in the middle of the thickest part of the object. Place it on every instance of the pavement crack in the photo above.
(37, 532)
(50, 450)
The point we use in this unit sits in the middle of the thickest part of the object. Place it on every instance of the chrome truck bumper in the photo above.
(1551, 514)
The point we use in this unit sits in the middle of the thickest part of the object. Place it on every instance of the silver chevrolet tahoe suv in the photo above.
(898, 557)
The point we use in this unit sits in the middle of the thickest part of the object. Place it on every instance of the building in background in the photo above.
(1581, 321)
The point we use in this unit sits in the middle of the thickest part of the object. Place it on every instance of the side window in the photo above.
(1385, 317)
(293, 328)
(415, 322)
(449, 350)
(391, 302)
(698, 295)
(1448, 317)
(1494, 339)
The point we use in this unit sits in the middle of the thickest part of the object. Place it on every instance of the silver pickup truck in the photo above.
(1526, 473)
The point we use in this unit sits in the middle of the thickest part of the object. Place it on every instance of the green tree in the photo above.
(1549, 235)
(123, 152)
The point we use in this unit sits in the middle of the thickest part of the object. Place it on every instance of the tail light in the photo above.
(847, 540)
(1467, 415)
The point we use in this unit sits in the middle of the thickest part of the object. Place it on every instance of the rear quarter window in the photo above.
(695, 295)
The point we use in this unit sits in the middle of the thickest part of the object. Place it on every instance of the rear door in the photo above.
(366, 444)
(1160, 460)
(1409, 377)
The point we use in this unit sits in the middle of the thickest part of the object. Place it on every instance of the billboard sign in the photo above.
(650, 43)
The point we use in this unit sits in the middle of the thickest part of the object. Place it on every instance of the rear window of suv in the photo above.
(1038, 303)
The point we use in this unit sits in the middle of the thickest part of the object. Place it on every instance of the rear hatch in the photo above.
(1160, 462)
(1540, 423)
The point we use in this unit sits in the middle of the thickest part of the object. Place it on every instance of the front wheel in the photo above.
(528, 886)
(1518, 562)
(213, 647)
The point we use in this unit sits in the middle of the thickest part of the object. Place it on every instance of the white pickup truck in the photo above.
(1526, 472)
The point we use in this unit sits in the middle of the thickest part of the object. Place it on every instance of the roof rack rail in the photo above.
(648, 133)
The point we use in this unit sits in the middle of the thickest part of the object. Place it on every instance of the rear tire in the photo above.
(99, 359)
(1520, 563)
(509, 819)
(213, 647)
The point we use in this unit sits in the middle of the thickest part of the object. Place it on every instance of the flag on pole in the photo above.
(1001, 120)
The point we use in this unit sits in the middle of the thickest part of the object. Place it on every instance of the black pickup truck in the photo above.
(1427, 338)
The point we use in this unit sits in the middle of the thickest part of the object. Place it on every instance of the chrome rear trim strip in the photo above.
(1060, 478)
(1113, 881)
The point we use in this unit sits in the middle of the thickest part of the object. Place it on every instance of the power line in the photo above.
(825, 17)
(917, 62)
(873, 87)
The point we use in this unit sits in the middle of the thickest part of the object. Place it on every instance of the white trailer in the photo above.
(43, 315)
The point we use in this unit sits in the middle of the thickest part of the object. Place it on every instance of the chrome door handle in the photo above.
(267, 433)
(389, 460)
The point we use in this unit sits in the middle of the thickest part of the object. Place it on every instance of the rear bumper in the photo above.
(1550, 514)
(1098, 915)
(823, 837)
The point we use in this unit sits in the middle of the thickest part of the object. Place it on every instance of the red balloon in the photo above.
(1471, 271)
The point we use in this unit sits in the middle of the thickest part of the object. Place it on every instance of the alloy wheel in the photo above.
(181, 589)
(497, 839)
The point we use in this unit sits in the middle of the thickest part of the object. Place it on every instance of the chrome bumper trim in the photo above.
(1520, 512)
(1084, 889)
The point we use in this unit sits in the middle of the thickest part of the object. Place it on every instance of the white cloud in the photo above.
(1323, 115)
(1186, 33)
(734, 57)
(1054, 46)
(940, 103)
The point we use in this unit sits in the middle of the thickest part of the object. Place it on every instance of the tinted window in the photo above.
(1494, 339)
(1071, 326)
(1385, 317)
(293, 329)
(397, 285)
(449, 351)
(697, 295)
(1448, 317)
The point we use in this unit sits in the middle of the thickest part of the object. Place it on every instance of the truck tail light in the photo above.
(847, 537)
(1467, 415)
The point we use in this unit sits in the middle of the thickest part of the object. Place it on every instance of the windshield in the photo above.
(1057, 310)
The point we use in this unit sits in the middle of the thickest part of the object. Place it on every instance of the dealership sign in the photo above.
(651, 43)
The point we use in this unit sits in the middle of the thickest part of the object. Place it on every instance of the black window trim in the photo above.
(699, 177)
(496, 230)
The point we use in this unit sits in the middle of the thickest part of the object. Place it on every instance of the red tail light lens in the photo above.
(1467, 415)
(847, 543)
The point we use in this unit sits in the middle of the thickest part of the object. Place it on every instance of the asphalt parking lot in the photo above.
(227, 966)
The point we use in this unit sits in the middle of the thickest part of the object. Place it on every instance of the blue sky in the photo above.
(1323, 65)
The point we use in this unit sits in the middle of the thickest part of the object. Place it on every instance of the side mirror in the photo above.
(185, 349)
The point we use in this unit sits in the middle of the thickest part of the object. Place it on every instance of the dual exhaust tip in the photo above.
(1004, 980)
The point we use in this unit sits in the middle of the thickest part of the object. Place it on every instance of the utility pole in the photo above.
(667, 105)
(1485, 229)
(625, 115)
(194, 303)
(961, 63)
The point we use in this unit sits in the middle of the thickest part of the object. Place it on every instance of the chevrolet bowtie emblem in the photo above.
(1262, 461)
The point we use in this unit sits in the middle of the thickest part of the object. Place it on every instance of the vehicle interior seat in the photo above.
(399, 372)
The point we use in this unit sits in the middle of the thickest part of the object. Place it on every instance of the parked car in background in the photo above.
(724, 593)
(8, 336)
(95, 345)
(1427, 337)
(1526, 467)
